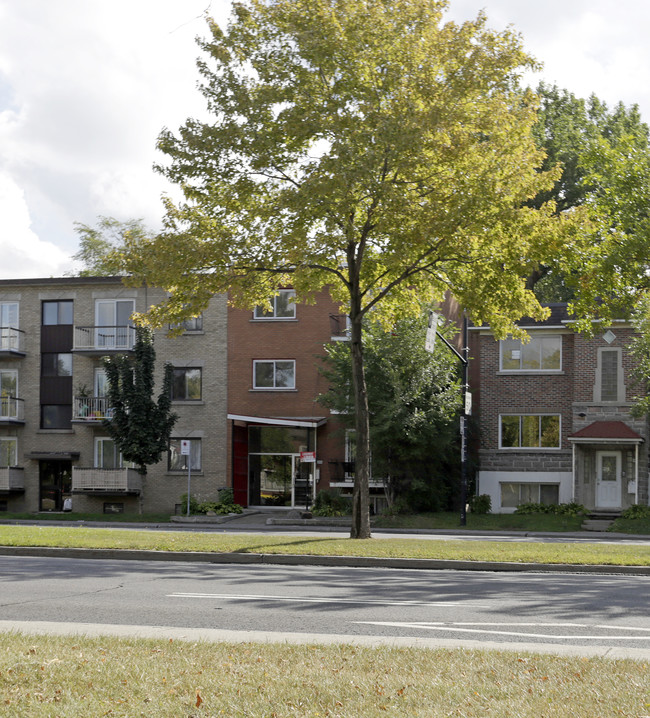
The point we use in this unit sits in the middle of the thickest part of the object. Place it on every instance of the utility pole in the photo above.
(466, 400)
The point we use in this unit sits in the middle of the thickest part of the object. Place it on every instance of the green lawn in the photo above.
(483, 522)
(559, 553)
(69, 677)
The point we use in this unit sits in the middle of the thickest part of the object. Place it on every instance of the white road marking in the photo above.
(456, 628)
(311, 599)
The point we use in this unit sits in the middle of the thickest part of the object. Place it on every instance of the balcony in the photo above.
(12, 479)
(99, 341)
(12, 342)
(340, 327)
(91, 409)
(12, 410)
(106, 481)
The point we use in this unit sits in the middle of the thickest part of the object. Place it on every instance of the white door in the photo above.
(608, 479)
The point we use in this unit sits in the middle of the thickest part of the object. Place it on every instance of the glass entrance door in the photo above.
(55, 481)
(279, 480)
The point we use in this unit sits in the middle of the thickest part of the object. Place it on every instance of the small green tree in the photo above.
(414, 399)
(140, 426)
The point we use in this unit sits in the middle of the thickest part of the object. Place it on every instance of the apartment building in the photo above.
(284, 445)
(554, 417)
(55, 452)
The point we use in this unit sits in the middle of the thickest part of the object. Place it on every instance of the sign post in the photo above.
(185, 451)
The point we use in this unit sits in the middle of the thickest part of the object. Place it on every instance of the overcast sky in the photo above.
(87, 85)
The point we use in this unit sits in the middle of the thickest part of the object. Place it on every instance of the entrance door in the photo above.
(279, 480)
(55, 479)
(608, 479)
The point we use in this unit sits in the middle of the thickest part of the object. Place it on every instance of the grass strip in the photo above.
(558, 553)
(73, 676)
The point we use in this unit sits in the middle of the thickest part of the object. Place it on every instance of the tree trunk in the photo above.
(361, 493)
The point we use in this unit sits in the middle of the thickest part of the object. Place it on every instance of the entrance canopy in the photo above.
(309, 422)
(606, 432)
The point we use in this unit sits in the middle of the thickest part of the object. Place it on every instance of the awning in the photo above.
(53, 455)
(310, 422)
(606, 432)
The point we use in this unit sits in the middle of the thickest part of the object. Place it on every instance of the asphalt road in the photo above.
(576, 613)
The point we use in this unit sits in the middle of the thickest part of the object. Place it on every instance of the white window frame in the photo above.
(10, 440)
(13, 372)
(256, 362)
(529, 485)
(534, 338)
(530, 448)
(5, 311)
(99, 454)
(262, 313)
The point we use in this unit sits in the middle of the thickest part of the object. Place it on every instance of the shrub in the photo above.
(227, 506)
(638, 511)
(331, 503)
(399, 507)
(481, 504)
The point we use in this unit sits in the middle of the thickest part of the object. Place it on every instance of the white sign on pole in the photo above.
(430, 341)
(185, 447)
(468, 403)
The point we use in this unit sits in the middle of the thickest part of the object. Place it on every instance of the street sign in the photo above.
(308, 456)
(185, 447)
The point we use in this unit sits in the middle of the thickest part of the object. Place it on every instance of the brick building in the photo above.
(554, 417)
(53, 445)
(284, 445)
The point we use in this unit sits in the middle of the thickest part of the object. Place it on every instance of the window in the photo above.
(530, 431)
(101, 383)
(609, 376)
(8, 451)
(541, 353)
(8, 382)
(193, 324)
(56, 364)
(178, 461)
(274, 374)
(186, 384)
(107, 455)
(114, 325)
(513, 494)
(114, 507)
(9, 314)
(282, 306)
(56, 416)
(59, 312)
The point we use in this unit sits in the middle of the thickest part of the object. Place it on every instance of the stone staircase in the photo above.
(599, 520)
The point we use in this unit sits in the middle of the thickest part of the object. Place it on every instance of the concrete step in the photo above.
(596, 524)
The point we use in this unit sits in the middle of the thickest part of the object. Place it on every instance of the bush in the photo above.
(638, 511)
(571, 509)
(399, 507)
(331, 503)
(481, 504)
(225, 504)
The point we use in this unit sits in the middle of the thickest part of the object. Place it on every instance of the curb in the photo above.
(307, 560)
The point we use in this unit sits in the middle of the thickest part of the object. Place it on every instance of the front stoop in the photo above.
(600, 520)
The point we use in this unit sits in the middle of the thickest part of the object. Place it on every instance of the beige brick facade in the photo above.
(75, 446)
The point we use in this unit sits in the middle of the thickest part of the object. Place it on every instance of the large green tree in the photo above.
(364, 145)
(140, 425)
(414, 402)
(582, 137)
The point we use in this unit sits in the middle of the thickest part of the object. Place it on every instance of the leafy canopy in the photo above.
(361, 144)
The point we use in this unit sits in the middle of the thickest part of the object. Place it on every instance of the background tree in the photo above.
(363, 145)
(140, 426)
(99, 246)
(414, 400)
(576, 135)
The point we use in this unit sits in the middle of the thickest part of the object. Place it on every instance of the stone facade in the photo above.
(74, 447)
(599, 455)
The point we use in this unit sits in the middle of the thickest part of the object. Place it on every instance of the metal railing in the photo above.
(12, 340)
(12, 478)
(94, 479)
(91, 408)
(104, 338)
(12, 409)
